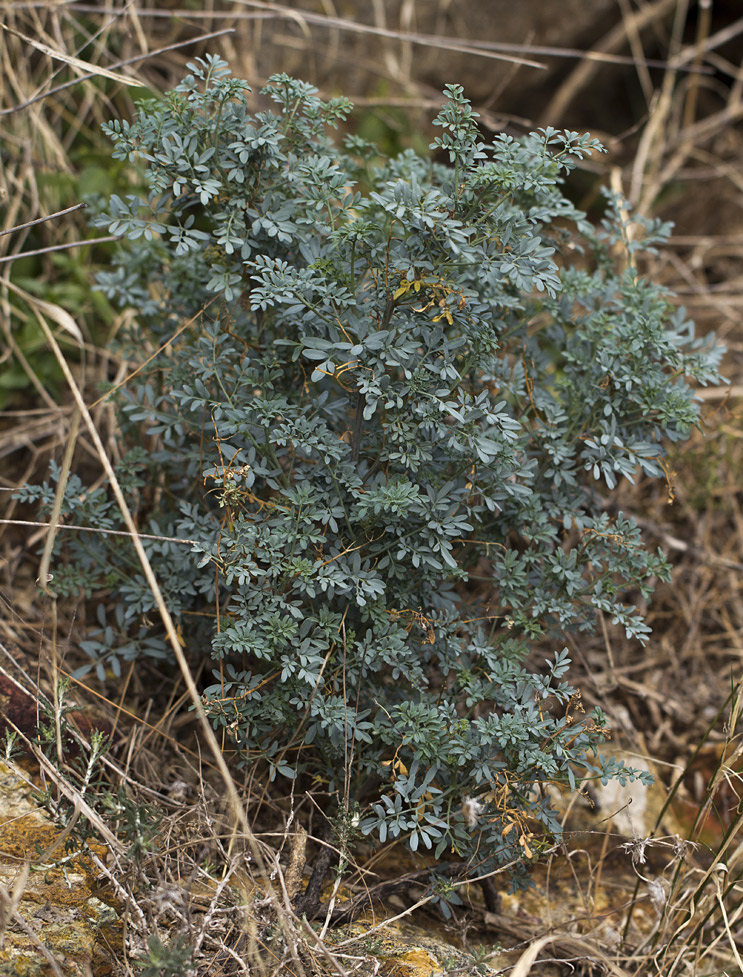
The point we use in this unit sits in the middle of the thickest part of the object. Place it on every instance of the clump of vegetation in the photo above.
(375, 450)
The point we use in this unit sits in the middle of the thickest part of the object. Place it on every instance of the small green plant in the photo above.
(11, 747)
(90, 811)
(135, 823)
(387, 424)
(172, 959)
(79, 765)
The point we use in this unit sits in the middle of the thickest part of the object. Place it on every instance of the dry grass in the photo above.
(677, 702)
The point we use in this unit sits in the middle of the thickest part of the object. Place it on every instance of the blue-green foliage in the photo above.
(388, 429)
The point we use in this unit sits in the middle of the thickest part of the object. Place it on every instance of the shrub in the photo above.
(394, 398)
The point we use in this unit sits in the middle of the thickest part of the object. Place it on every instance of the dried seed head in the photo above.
(658, 892)
(471, 809)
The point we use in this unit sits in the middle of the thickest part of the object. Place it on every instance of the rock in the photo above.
(406, 950)
(633, 810)
(630, 807)
(56, 917)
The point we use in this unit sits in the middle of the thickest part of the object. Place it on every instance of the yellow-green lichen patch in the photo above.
(56, 914)
(404, 949)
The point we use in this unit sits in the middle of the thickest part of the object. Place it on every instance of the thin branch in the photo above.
(97, 529)
(42, 220)
(424, 40)
(273, 13)
(116, 64)
(60, 247)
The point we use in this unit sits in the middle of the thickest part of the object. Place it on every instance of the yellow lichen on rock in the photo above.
(404, 949)
(49, 912)
(414, 962)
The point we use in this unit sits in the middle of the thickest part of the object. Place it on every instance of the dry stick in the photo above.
(104, 28)
(237, 806)
(600, 57)
(58, 247)
(644, 189)
(720, 393)
(84, 67)
(538, 50)
(528, 957)
(709, 44)
(635, 43)
(58, 500)
(717, 167)
(688, 139)
(97, 529)
(46, 557)
(703, 25)
(583, 72)
(117, 64)
(41, 220)
(425, 40)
